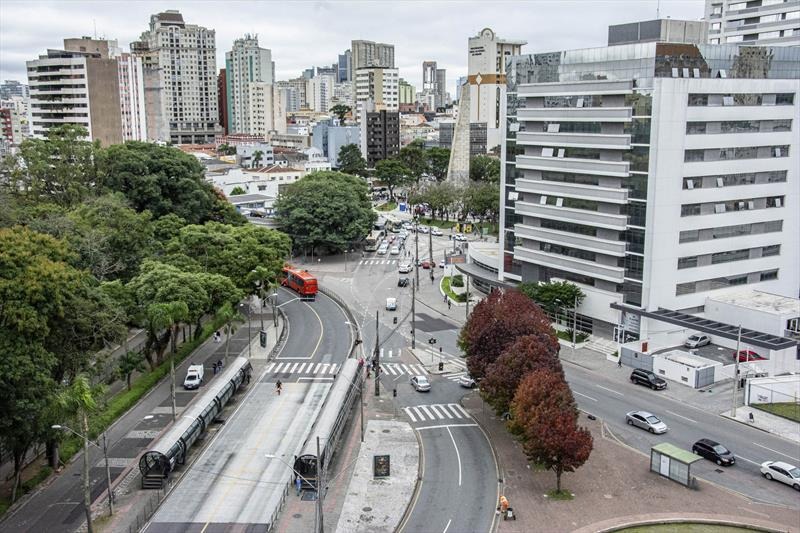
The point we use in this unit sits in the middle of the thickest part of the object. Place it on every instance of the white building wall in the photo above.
(266, 109)
(41, 92)
(131, 94)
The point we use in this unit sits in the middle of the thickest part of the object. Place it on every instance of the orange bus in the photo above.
(300, 281)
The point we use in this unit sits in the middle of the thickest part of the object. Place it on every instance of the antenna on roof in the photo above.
(94, 23)
(658, 9)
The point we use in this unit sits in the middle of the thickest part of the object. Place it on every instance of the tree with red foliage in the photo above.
(545, 411)
(496, 322)
(527, 354)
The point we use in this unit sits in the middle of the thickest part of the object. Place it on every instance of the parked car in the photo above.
(425, 264)
(645, 377)
(441, 263)
(697, 340)
(420, 383)
(436, 232)
(645, 420)
(408, 226)
(194, 377)
(783, 472)
(391, 304)
(459, 237)
(748, 355)
(395, 250)
(405, 268)
(466, 382)
(422, 229)
(403, 282)
(714, 451)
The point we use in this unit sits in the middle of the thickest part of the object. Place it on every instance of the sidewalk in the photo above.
(606, 495)
(766, 422)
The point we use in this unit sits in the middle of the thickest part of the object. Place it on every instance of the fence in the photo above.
(281, 337)
(154, 499)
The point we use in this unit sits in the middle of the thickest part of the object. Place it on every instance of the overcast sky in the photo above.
(305, 33)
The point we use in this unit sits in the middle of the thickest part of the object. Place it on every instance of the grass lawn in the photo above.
(567, 336)
(685, 528)
(788, 410)
(449, 291)
(388, 206)
(441, 224)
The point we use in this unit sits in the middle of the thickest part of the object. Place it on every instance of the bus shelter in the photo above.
(675, 463)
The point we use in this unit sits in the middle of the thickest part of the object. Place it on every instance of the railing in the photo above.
(154, 499)
(350, 317)
(281, 337)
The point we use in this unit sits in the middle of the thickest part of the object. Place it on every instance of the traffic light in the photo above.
(441, 366)
(263, 338)
(394, 393)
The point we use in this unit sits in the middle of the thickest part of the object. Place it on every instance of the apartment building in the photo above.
(378, 85)
(246, 63)
(319, 91)
(266, 109)
(753, 22)
(652, 175)
(370, 54)
(380, 134)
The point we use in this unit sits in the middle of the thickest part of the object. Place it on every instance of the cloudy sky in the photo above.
(305, 33)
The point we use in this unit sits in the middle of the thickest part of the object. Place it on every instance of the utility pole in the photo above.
(467, 315)
(319, 489)
(108, 475)
(413, 314)
(574, 322)
(87, 495)
(430, 252)
(416, 249)
(377, 358)
(736, 371)
(361, 402)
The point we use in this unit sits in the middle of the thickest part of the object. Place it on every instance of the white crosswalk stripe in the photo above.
(456, 376)
(396, 369)
(303, 368)
(437, 411)
(367, 262)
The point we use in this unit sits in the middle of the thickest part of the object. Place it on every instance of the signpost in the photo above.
(380, 466)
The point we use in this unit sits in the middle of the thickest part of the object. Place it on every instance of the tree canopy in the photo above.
(351, 161)
(392, 173)
(554, 294)
(341, 111)
(415, 159)
(438, 162)
(328, 209)
(482, 200)
(484, 168)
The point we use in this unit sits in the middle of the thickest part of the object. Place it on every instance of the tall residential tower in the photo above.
(244, 64)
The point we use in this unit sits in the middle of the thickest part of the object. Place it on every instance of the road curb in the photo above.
(417, 486)
(773, 528)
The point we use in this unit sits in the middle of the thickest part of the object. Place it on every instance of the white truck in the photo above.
(194, 377)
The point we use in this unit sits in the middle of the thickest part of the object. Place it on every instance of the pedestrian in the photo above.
(214, 366)
(219, 365)
(445, 297)
(449, 303)
(298, 485)
(619, 362)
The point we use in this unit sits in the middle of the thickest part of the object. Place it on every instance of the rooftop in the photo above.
(274, 169)
(249, 198)
(679, 356)
(760, 301)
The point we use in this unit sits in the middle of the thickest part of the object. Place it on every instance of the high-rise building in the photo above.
(266, 108)
(377, 85)
(652, 175)
(486, 75)
(434, 82)
(295, 93)
(406, 92)
(180, 73)
(319, 91)
(753, 22)
(365, 54)
(429, 76)
(222, 100)
(342, 94)
(244, 64)
(441, 88)
(11, 88)
(343, 67)
(72, 87)
(380, 134)
(659, 31)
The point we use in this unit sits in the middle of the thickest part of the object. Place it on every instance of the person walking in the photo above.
(449, 303)
(278, 386)
(298, 485)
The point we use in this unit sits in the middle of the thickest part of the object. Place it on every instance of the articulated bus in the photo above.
(300, 281)
(373, 240)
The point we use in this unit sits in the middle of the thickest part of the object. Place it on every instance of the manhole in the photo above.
(718, 471)
(297, 515)
(308, 496)
(367, 509)
(387, 431)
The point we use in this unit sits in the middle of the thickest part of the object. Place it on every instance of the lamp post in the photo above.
(249, 336)
(86, 442)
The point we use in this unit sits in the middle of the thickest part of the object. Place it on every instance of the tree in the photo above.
(545, 411)
(552, 295)
(341, 111)
(237, 190)
(351, 161)
(497, 322)
(392, 173)
(225, 149)
(415, 159)
(527, 354)
(482, 200)
(438, 162)
(484, 168)
(229, 315)
(442, 198)
(129, 363)
(258, 155)
(328, 209)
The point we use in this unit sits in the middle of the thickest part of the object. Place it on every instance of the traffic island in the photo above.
(384, 478)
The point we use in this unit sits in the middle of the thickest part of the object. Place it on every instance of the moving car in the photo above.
(391, 304)
(645, 377)
(420, 383)
(422, 229)
(459, 237)
(383, 249)
(714, 451)
(425, 264)
(645, 420)
(697, 340)
(395, 250)
(194, 377)
(749, 355)
(441, 263)
(405, 268)
(436, 232)
(783, 472)
(403, 282)
(466, 382)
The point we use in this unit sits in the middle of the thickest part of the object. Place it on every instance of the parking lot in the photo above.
(711, 351)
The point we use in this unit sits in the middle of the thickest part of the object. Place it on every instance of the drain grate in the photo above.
(308, 495)
(718, 471)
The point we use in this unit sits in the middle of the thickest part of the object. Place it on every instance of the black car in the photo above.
(645, 377)
(403, 282)
(714, 451)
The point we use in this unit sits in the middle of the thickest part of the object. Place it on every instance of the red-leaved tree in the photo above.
(496, 322)
(545, 411)
(527, 354)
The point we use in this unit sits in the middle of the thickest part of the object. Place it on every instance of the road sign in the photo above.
(380, 466)
(263, 338)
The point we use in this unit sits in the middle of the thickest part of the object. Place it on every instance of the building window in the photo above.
(769, 275)
(729, 256)
(687, 262)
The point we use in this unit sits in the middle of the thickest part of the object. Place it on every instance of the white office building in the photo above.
(246, 63)
(753, 22)
(380, 86)
(652, 175)
(319, 91)
(266, 109)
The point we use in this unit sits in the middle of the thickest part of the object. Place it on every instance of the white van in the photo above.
(391, 304)
(194, 377)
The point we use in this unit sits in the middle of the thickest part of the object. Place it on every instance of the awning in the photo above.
(486, 276)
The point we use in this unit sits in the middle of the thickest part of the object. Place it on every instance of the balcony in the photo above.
(578, 140)
(576, 240)
(618, 169)
(576, 216)
(573, 190)
(575, 114)
(570, 264)
(589, 87)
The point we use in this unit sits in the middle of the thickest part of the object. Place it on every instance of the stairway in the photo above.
(601, 344)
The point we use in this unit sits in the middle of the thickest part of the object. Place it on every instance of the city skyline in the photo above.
(334, 23)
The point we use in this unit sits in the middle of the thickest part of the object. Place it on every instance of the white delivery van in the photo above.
(391, 304)
(194, 377)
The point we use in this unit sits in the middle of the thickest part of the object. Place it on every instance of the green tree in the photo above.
(258, 156)
(167, 227)
(442, 198)
(484, 168)
(328, 209)
(482, 200)
(230, 316)
(438, 162)
(392, 173)
(553, 295)
(341, 111)
(59, 169)
(351, 161)
(415, 159)
(237, 190)
(225, 149)
(129, 363)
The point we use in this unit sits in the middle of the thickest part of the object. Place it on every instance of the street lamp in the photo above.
(249, 336)
(86, 441)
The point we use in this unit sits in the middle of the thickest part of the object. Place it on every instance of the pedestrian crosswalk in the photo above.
(292, 367)
(437, 411)
(378, 262)
(456, 376)
(398, 369)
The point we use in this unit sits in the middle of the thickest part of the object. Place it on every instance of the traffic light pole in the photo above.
(377, 358)
(413, 314)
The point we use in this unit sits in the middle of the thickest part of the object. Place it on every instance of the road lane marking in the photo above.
(609, 390)
(458, 457)
(448, 524)
(681, 416)
(579, 394)
(314, 378)
(321, 331)
(445, 426)
(410, 415)
(775, 451)
(424, 408)
(435, 409)
(294, 366)
(456, 408)
(748, 460)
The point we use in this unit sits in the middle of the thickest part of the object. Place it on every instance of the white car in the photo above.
(436, 232)
(466, 382)
(405, 268)
(382, 250)
(697, 340)
(645, 420)
(395, 250)
(422, 229)
(391, 304)
(459, 237)
(408, 226)
(421, 384)
(783, 472)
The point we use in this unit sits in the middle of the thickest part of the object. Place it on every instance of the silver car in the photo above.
(645, 420)
(421, 384)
